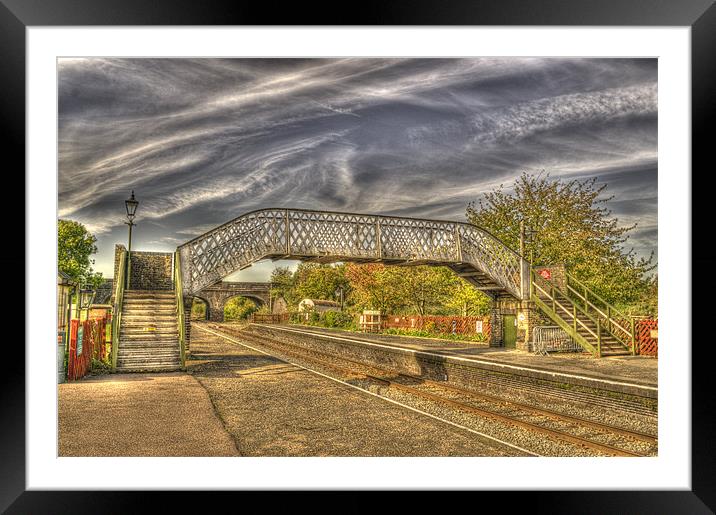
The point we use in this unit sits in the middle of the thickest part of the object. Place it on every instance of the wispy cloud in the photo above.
(203, 140)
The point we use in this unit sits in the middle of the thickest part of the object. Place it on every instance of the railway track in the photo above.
(540, 387)
(568, 429)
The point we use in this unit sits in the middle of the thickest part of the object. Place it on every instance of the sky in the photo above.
(202, 141)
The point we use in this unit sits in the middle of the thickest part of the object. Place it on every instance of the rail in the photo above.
(117, 308)
(180, 308)
(604, 310)
(569, 320)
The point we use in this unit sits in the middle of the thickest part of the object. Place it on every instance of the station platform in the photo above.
(631, 375)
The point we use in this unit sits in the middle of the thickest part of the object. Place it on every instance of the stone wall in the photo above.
(151, 271)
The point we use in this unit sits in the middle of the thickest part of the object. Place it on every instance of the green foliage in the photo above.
(374, 286)
(418, 290)
(198, 309)
(263, 310)
(98, 367)
(75, 245)
(571, 227)
(337, 319)
(316, 281)
(282, 285)
(238, 308)
(424, 333)
(466, 300)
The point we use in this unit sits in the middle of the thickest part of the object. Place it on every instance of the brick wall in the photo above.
(151, 271)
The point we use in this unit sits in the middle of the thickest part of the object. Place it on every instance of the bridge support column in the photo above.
(216, 308)
(528, 316)
(495, 328)
(523, 314)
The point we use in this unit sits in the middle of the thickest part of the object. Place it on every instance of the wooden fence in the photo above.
(648, 346)
(88, 339)
(440, 324)
(278, 318)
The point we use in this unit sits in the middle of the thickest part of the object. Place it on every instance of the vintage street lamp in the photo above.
(86, 299)
(131, 205)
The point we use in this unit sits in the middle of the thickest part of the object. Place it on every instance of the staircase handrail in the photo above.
(553, 298)
(117, 308)
(610, 309)
(180, 308)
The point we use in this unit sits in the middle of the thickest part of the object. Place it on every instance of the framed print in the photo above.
(356, 143)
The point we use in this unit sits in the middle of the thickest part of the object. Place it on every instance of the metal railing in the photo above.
(330, 236)
(117, 308)
(614, 319)
(568, 318)
(180, 308)
(553, 339)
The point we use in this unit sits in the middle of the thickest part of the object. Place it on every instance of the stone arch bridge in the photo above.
(216, 296)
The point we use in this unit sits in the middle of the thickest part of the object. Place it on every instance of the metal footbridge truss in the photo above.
(323, 236)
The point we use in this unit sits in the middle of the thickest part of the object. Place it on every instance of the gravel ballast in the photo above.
(527, 439)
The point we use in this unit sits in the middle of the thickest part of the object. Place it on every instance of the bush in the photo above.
(337, 319)
(478, 337)
(100, 367)
(238, 308)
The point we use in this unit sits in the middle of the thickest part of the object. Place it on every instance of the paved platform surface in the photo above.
(639, 370)
(273, 408)
(163, 414)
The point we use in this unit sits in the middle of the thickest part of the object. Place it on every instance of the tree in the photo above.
(75, 245)
(317, 281)
(374, 287)
(571, 227)
(282, 285)
(423, 288)
(466, 300)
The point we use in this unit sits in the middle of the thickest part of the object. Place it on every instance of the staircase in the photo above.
(593, 323)
(149, 332)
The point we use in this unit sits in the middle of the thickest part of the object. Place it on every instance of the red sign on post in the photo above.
(546, 274)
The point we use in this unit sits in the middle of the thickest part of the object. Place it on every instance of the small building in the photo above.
(318, 306)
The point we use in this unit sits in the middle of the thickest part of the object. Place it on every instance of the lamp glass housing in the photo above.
(131, 205)
(86, 297)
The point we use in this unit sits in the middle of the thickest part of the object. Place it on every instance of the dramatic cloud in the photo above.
(201, 141)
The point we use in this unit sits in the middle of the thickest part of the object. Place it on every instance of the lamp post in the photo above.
(87, 295)
(131, 205)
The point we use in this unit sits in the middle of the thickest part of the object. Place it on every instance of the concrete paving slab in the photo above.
(166, 414)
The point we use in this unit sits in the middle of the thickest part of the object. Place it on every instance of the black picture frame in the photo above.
(700, 15)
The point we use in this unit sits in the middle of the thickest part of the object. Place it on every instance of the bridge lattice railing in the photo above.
(303, 234)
